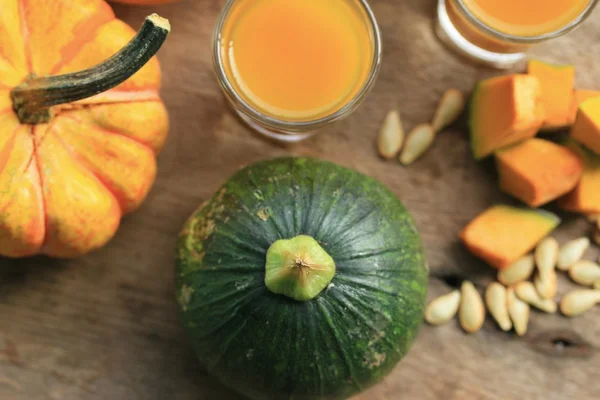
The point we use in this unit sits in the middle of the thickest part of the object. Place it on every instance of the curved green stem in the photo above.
(33, 99)
(298, 268)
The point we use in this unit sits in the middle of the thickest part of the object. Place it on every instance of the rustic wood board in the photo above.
(105, 326)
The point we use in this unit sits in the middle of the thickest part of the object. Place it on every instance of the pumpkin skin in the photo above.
(268, 346)
(65, 184)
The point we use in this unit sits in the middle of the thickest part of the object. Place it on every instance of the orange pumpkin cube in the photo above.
(585, 198)
(586, 129)
(502, 234)
(504, 110)
(579, 96)
(557, 82)
(538, 171)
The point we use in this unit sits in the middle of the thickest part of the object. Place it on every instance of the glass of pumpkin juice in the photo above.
(289, 67)
(499, 32)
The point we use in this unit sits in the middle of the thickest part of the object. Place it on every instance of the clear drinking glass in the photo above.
(463, 31)
(280, 129)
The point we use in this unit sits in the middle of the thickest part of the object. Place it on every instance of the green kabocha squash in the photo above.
(300, 279)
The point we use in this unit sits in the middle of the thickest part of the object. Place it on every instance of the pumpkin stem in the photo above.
(33, 99)
(298, 268)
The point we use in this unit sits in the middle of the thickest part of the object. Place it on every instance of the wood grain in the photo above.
(105, 326)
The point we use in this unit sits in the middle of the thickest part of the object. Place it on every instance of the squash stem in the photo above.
(298, 268)
(32, 100)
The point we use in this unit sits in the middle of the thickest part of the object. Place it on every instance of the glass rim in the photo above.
(466, 12)
(281, 124)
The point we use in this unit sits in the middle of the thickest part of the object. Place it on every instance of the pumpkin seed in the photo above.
(418, 141)
(526, 292)
(546, 255)
(443, 309)
(546, 285)
(391, 136)
(585, 272)
(518, 311)
(449, 109)
(571, 252)
(579, 301)
(597, 285)
(519, 271)
(471, 311)
(495, 299)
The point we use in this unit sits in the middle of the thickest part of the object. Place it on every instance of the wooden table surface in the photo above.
(105, 326)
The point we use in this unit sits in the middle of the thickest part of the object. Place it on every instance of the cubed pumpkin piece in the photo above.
(585, 198)
(557, 82)
(579, 96)
(538, 171)
(503, 111)
(586, 129)
(502, 234)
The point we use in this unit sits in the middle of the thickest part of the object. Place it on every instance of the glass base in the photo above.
(451, 37)
(280, 136)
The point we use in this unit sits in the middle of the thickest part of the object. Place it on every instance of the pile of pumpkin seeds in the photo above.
(510, 299)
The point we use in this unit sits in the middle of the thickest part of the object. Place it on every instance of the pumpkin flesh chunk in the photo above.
(81, 213)
(557, 82)
(585, 198)
(502, 234)
(586, 129)
(504, 110)
(579, 96)
(538, 171)
(125, 166)
(22, 226)
(13, 61)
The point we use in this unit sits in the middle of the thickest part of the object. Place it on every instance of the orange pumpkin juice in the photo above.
(524, 19)
(297, 60)
(527, 17)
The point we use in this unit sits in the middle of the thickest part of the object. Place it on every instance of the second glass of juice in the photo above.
(289, 67)
(499, 32)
